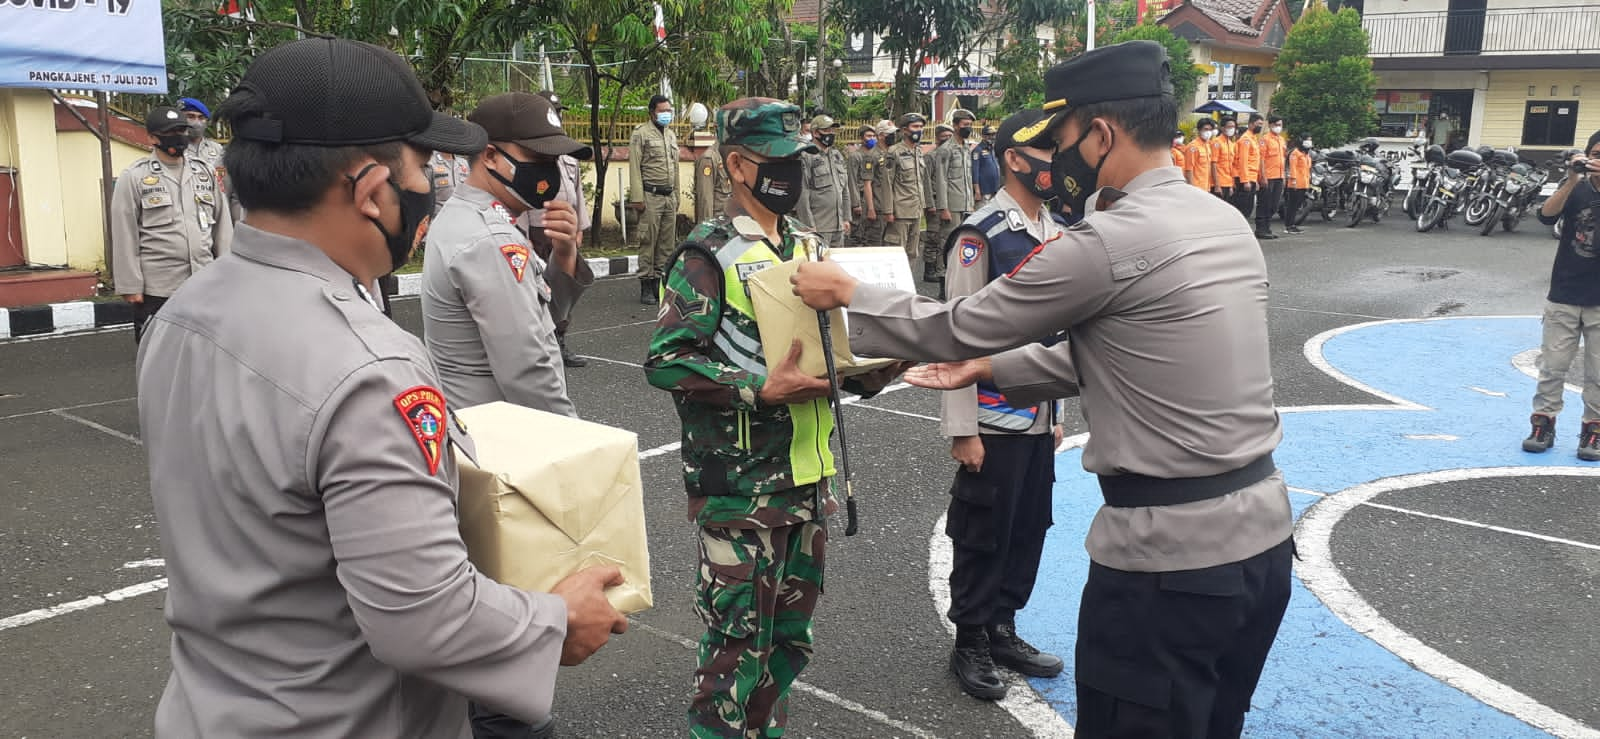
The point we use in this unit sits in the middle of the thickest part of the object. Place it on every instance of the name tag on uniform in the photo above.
(746, 270)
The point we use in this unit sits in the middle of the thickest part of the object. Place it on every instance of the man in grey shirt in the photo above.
(1167, 337)
(489, 302)
(300, 452)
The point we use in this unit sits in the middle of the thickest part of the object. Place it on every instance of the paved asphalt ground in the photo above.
(76, 522)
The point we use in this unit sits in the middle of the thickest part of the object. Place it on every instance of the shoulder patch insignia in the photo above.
(706, 171)
(151, 180)
(1014, 220)
(869, 165)
(501, 210)
(517, 256)
(970, 248)
(423, 409)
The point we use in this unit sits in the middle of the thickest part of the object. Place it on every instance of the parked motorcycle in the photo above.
(1338, 180)
(1423, 176)
(1313, 198)
(1521, 188)
(1452, 181)
(1368, 192)
(1490, 200)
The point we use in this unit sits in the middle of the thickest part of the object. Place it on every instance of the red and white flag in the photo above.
(661, 24)
(237, 9)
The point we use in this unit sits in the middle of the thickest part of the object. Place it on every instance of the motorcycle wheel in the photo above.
(1511, 221)
(1477, 210)
(1490, 220)
(1357, 210)
(1429, 217)
(1328, 210)
(1410, 203)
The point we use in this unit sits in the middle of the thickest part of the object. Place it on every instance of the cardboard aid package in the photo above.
(549, 495)
(782, 318)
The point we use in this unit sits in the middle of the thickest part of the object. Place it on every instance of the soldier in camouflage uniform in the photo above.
(755, 439)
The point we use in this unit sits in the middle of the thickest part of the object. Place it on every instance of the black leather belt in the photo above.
(1141, 491)
(653, 190)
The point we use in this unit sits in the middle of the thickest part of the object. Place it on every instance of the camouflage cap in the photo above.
(766, 126)
(886, 127)
(911, 118)
(943, 127)
(960, 114)
(821, 123)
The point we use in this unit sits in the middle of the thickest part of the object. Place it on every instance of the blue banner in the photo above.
(111, 45)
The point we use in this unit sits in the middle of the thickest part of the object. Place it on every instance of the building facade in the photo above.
(1237, 41)
(1487, 72)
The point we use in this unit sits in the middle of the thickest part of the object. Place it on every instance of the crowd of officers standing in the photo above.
(334, 499)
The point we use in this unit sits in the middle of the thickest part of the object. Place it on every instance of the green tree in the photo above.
(912, 31)
(1185, 78)
(1327, 84)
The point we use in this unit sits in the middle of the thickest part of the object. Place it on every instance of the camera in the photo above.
(1579, 165)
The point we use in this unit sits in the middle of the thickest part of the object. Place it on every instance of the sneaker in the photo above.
(1010, 651)
(1543, 435)
(1589, 442)
(1294, 230)
(1265, 235)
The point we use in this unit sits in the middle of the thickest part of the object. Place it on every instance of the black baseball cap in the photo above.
(529, 121)
(1019, 128)
(1132, 69)
(337, 92)
(555, 100)
(164, 119)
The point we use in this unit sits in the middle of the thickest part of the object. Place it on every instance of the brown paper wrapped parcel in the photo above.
(550, 495)
(782, 318)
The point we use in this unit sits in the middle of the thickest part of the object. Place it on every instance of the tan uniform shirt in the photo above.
(1168, 327)
(827, 197)
(906, 180)
(486, 308)
(652, 159)
(318, 586)
(966, 274)
(884, 171)
(952, 176)
(863, 168)
(711, 185)
(166, 223)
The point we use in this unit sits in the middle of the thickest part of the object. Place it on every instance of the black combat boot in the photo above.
(568, 357)
(1589, 442)
(1543, 435)
(647, 291)
(1009, 651)
(972, 665)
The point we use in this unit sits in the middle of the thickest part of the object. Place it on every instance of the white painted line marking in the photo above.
(801, 685)
(1491, 393)
(67, 408)
(1329, 313)
(99, 427)
(609, 328)
(69, 334)
(1321, 575)
(1488, 527)
(1433, 437)
(907, 414)
(593, 358)
(1528, 364)
(44, 614)
(139, 563)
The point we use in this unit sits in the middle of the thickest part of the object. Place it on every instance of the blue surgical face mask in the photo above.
(870, 143)
(664, 118)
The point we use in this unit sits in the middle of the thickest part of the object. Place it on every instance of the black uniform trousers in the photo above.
(142, 311)
(1177, 654)
(1294, 198)
(1243, 199)
(997, 521)
(1267, 201)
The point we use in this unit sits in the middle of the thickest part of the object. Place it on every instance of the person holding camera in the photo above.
(1572, 313)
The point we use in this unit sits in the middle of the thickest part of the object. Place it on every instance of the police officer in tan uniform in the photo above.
(169, 218)
(905, 162)
(711, 186)
(951, 175)
(489, 302)
(883, 181)
(302, 459)
(863, 160)
(653, 180)
(1196, 510)
(827, 196)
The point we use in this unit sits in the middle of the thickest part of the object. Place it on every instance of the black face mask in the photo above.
(887, 139)
(1038, 178)
(172, 144)
(964, 132)
(1074, 179)
(777, 186)
(913, 137)
(826, 139)
(416, 210)
(534, 183)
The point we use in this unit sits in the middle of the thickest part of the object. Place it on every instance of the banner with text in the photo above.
(111, 45)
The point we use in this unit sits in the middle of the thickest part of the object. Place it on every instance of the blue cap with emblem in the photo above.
(188, 104)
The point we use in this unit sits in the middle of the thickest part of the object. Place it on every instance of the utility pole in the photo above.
(822, 48)
(1089, 35)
